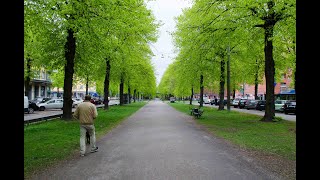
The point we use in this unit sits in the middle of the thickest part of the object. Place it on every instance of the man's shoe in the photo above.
(81, 155)
(94, 150)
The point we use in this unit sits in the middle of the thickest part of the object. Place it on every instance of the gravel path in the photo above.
(160, 143)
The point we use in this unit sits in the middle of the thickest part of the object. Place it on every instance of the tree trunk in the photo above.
(222, 82)
(201, 90)
(129, 95)
(106, 85)
(27, 84)
(269, 70)
(70, 49)
(134, 95)
(121, 91)
(228, 80)
(191, 96)
(87, 85)
(256, 82)
(234, 93)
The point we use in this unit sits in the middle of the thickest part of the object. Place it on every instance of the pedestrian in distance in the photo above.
(86, 113)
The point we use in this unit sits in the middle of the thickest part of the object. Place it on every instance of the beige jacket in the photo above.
(86, 112)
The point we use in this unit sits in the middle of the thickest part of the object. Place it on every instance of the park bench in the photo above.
(196, 112)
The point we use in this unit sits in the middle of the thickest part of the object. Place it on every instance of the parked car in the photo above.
(38, 100)
(224, 102)
(33, 106)
(290, 107)
(76, 102)
(96, 100)
(261, 105)
(235, 102)
(51, 104)
(102, 98)
(206, 100)
(278, 105)
(242, 103)
(211, 101)
(250, 104)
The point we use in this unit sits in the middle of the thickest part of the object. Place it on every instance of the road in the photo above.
(288, 117)
(160, 143)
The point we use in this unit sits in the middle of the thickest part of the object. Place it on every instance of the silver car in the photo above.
(279, 105)
(51, 104)
(76, 102)
(235, 103)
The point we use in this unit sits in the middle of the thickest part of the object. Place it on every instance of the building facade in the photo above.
(247, 90)
(40, 85)
(283, 86)
(78, 91)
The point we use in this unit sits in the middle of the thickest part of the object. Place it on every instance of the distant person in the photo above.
(86, 113)
(215, 100)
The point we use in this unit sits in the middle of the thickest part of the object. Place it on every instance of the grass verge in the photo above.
(246, 130)
(45, 144)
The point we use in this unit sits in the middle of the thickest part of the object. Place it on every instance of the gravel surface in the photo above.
(158, 142)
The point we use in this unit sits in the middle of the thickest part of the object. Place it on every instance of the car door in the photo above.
(59, 103)
(50, 104)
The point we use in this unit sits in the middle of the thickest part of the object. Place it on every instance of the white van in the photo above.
(26, 105)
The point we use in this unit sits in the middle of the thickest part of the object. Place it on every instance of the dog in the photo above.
(87, 137)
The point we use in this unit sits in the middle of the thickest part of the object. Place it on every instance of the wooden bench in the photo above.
(196, 112)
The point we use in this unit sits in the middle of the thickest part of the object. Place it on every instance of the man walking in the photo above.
(86, 112)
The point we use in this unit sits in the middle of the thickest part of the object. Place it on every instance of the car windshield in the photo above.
(45, 100)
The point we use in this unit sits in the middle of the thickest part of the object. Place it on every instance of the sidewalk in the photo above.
(55, 112)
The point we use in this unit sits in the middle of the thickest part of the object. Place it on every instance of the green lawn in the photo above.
(49, 142)
(248, 131)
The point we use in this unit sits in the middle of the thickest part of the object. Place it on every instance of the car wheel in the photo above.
(42, 108)
(31, 110)
(285, 112)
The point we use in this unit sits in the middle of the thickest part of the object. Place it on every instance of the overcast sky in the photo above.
(163, 49)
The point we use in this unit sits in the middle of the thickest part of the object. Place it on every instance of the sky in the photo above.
(163, 49)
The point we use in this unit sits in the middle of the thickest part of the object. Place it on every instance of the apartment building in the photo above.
(247, 90)
(283, 86)
(40, 85)
(78, 91)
